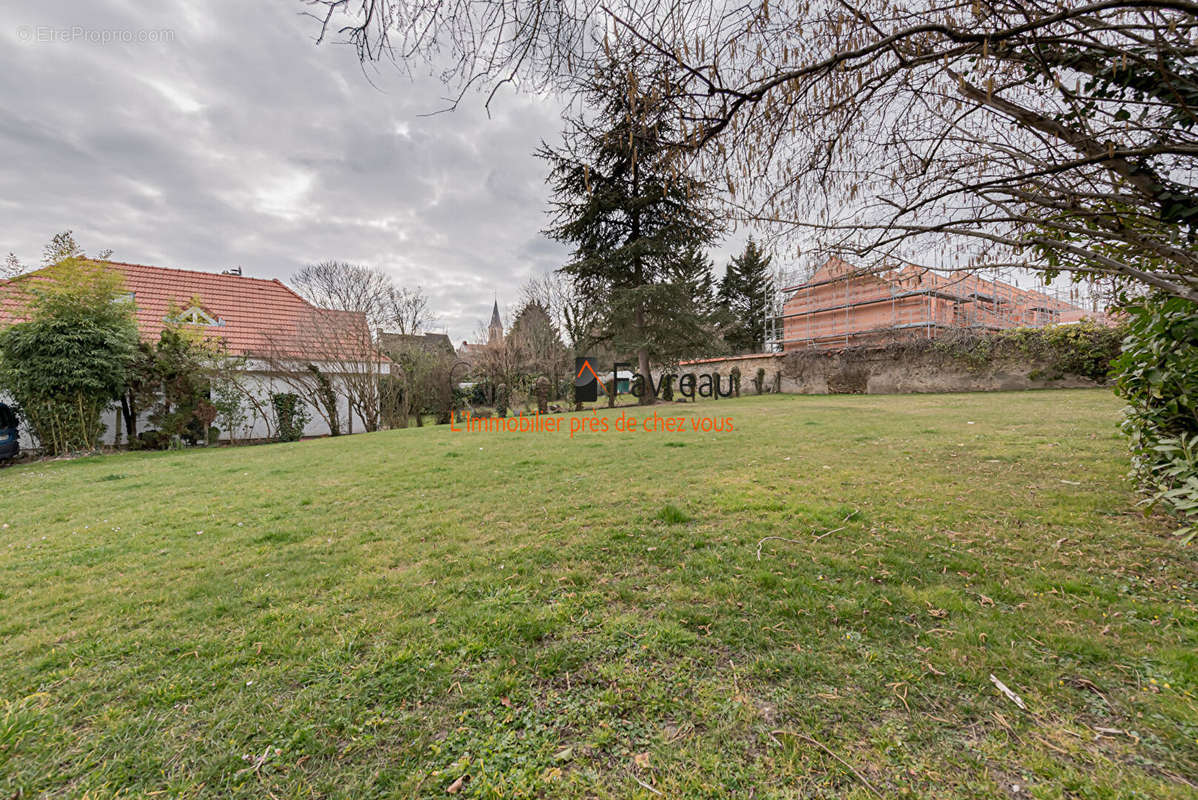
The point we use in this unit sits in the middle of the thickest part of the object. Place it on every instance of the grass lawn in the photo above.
(421, 612)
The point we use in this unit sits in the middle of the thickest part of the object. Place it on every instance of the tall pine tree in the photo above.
(744, 295)
(630, 214)
(694, 270)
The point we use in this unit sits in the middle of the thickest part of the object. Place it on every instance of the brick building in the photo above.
(842, 306)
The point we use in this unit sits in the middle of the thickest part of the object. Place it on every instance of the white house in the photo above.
(276, 332)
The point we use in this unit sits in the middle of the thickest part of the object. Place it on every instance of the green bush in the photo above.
(181, 369)
(501, 400)
(481, 393)
(290, 416)
(150, 440)
(229, 400)
(1084, 349)
(1158, 376)
(67, 363)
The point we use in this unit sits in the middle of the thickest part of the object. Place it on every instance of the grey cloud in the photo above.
(241, 142)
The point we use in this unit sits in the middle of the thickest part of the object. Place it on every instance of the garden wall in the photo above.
(1064, 358)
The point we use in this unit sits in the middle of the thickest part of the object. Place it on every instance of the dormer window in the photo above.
(194, 315)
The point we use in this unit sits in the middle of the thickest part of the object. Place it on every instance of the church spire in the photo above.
(495, 329)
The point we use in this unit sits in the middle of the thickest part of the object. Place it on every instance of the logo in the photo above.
(586, 380)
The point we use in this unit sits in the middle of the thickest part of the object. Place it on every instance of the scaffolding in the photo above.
(855, 308)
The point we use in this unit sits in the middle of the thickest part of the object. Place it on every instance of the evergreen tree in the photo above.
(695, 272)
(744, 296)
(629, 213)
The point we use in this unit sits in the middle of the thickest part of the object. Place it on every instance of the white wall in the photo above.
(259, 383)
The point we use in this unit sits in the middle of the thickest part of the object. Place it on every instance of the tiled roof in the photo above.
(960, 285)
(254, 316)
(967, 286)
(434, 343)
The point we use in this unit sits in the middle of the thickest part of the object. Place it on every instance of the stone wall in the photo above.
(885, 370)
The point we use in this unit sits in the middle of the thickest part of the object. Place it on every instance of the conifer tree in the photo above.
(695, 272)
(621, 201)
(744, 294)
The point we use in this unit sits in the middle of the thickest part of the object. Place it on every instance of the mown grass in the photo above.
(414, 612)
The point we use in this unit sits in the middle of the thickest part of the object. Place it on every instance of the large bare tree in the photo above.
(568, 311)
(1058, 135)
(367, 290)
(346, 287)
(332, 358)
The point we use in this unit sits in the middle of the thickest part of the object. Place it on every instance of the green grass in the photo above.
(403, 613)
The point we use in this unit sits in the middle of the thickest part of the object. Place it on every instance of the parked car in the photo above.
(10, 445)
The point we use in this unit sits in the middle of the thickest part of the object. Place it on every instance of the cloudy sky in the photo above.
(228, 137)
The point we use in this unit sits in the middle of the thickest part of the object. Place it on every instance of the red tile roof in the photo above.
(960, 285)
(255, 316)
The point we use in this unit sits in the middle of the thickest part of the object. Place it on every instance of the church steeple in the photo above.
(495, 329)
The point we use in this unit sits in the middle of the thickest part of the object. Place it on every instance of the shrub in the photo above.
(228, 398)
(290, 416)
(481, 393)
(185, 381)
(181, 368)
(150, 440)
(459, 399)
(759, 380)
(1158, 376)
(68, 362)
(501, 399)
(392, 407)
(1085, 349)
(327, 397)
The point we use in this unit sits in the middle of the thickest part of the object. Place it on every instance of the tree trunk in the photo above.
(642, 354)
(648, 396)
(129, 412)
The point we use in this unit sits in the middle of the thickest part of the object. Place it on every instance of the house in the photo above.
(434, 344)
(623, 380)
(841, 306)
(278, 334)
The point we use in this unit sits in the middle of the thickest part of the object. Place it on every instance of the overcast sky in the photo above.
(235, 140)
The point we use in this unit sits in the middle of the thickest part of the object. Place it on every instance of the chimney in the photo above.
(233, 271)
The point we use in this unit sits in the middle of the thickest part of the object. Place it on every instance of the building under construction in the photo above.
(841, 306)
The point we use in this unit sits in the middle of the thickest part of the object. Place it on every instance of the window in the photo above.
(196, 316)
